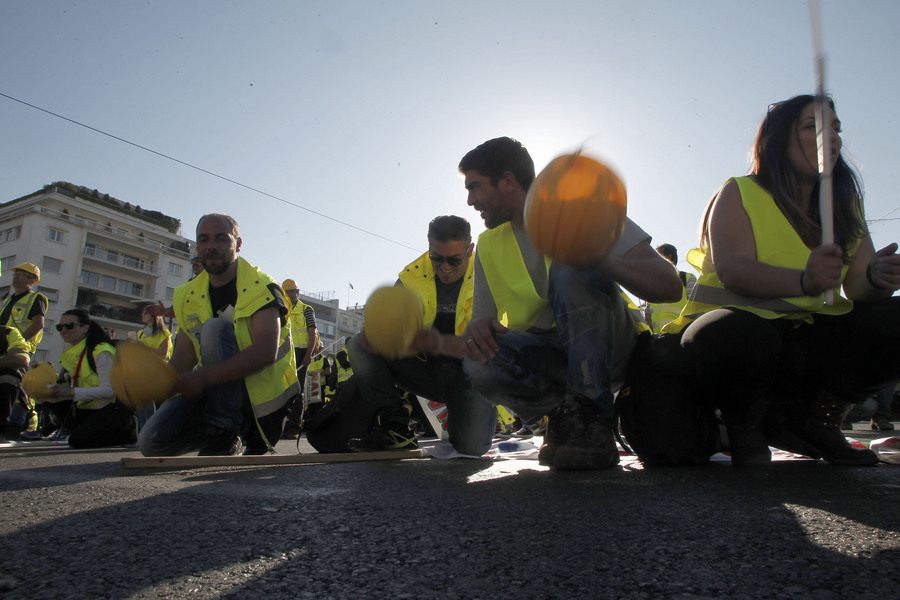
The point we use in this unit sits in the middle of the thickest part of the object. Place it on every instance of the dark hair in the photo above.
(449, 228)
(497, 156)
(229, 218)
(669, 252)
(94, 336)
(773, 171)
(158, 324)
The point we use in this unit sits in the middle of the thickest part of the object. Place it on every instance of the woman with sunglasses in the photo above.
(87, 408)
(766, 348)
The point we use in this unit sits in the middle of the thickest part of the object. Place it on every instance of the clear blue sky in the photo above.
(361, 110)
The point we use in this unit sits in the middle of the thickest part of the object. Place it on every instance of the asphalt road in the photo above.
(76, 525)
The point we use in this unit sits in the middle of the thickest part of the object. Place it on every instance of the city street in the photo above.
(77, 525)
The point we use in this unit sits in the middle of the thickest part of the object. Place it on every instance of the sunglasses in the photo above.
(69, 326)
(453, 261)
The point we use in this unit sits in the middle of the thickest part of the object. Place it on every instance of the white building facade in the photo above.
(95, 252)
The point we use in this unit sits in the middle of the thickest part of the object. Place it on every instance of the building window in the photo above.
(52, 295)
(90, 278)
(51, 265)
(48, 326)
(107, 282)
(56, 235)
(110, 255)
(170, 292)
(4, 291)
(8, 235)
(174, 269)
(132, 261)
(90, 250)
(8, 262)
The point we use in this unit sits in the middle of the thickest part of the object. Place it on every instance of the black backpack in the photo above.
(664, 422)
(346, 416)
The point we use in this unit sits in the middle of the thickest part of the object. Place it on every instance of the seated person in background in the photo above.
(14, 357)
(233, 326)
(87, 408)
(757, 330)
(155, 334)
(659, 314)
(442, 278)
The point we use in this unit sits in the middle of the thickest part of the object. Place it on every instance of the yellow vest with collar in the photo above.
(299, 331)
(777, 244)
(419, 277)
(155, 341)
(271, 387)
(18, 317)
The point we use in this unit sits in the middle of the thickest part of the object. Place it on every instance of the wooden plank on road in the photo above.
(193, 462)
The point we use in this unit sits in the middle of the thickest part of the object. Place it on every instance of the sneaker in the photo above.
(524, 433)
(592, 445)
(31, 436)
(60, 435)
(882, 423)
(385, 437)
(221, 442)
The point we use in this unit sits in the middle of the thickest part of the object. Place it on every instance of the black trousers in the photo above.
(737, 359)
(111, 425)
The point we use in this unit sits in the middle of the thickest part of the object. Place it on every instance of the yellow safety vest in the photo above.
(299, 331)
(518, 303)
(663, 313)
(155, 341)
(271, 387)
(87, 378)
(19, 316)
(419, 277)
(777, 244)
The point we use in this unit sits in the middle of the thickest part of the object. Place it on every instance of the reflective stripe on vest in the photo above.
(777, 244)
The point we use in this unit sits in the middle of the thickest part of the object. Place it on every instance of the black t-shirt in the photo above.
(224, 298)
(39, 307)
(447, 295)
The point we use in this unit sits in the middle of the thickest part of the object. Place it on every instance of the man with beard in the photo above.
(233, 323)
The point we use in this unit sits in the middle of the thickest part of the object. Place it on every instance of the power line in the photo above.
(202, 170)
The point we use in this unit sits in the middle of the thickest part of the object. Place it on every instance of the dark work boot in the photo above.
(821, 429)
(220, 442)
(591, 445)
(560, 422)
(746, 438)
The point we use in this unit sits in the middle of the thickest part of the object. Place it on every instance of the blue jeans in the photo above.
(181, 424)
(584, 357)
(471, 419)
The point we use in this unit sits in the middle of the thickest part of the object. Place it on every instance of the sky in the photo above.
(332, 130)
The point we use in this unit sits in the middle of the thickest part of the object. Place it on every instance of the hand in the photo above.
(59, 393)
(156, 310)
(884, 268)
(428, 341)
(191, 385)
(823, 269)
(478, 339)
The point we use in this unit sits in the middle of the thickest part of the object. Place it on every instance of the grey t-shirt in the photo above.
(483, 303)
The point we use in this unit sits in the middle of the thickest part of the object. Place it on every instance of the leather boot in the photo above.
(592, 445)
(746, 439)
(822, 431)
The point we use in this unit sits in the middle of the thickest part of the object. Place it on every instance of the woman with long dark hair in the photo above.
(780, 363)
(87, 407)
(155, 334)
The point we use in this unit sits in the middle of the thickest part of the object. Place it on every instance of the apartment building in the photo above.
(95, 252)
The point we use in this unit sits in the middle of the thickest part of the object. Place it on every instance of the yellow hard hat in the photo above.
(31, 269)
(38, 380)
(140, 376)
(393, 316)
(289, 284)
